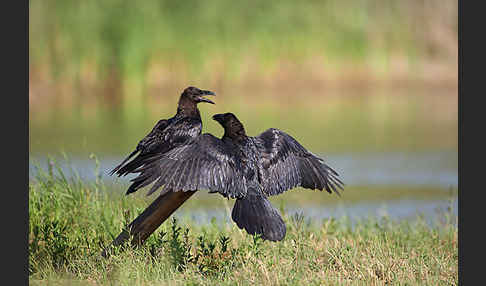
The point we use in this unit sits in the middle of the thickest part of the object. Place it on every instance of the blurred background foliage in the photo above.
(371, 86)
(360, 75)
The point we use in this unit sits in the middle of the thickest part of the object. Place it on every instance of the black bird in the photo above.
(248, 169)
(167, 134)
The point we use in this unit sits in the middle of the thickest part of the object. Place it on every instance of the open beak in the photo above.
(204, 93)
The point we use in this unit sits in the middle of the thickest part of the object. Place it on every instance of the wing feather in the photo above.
(287, 164)
(164, 136)
(205, 162)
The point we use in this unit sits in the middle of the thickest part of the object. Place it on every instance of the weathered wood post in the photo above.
(150, 219)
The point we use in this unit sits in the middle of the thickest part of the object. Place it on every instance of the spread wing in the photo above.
(287, 164)
(165, 135)
(205, 162)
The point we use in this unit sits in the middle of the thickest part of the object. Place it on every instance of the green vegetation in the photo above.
(71, 36)
(117, 54)
(354, 71)
(71, 221)
(101, 73)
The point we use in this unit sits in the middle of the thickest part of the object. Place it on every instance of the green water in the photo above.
(395, 147)
(387, 120)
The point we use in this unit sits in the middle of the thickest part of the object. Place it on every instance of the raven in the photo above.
(248, 169)
(167, 133)
(274, 162)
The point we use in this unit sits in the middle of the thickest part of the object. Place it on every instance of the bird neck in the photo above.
(187, 108)
(235, 132)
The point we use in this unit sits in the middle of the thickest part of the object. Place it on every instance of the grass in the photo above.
(299, 197)
(71, 221)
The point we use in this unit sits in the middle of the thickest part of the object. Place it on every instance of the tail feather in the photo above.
(256, 215)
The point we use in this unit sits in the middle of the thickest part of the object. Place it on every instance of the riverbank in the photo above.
(70, 221)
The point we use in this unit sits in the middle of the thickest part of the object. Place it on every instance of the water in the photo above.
(359, 136)
(437, 169)
(433, 212)
(433, 168)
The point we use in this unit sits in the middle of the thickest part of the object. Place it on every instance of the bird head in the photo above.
(225, 118)
(230, 123)
(196, 95)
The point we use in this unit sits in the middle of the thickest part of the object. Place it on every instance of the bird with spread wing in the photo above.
(248, 169)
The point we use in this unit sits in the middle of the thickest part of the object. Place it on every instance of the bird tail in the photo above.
(256, 215)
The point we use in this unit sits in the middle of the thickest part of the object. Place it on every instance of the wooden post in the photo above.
(150, 219)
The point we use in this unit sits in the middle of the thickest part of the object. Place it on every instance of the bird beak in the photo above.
(218, 117)
(204, 93)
